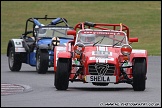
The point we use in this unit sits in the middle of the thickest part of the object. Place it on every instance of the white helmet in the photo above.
(87, 38)
(41, 32)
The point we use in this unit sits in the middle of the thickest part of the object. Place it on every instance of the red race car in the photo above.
(100, 54)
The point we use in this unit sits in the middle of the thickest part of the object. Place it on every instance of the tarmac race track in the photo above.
(27, 88)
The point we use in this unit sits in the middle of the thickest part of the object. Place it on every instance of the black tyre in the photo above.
(139, 74)
(42, 61)
(14, 60)
(61, 81)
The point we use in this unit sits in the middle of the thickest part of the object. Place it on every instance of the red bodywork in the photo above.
(89, 60)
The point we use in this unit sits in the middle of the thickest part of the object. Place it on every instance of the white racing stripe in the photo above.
(104, 59)
(138, 51)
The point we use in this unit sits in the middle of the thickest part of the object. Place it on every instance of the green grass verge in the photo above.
(142, 17)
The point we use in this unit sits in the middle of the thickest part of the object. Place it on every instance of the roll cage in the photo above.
(102, 26)
(53, 23)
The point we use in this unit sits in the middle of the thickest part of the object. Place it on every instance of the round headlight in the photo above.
(55, 41)
(126, 50)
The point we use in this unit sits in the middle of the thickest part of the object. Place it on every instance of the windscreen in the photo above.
(53, 32)
(106, 37)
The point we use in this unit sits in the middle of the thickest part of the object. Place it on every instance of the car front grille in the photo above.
(101, 69)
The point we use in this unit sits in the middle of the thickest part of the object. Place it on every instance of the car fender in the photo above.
(58, 49)
(17, 44)
(139, 54)
(43, 46)
(64, 55)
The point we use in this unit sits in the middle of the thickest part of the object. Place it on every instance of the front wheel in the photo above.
(42, 61)
(14, 60)
(62, 74)
(139, 74)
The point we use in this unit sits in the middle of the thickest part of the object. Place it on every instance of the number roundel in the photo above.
(55, 41)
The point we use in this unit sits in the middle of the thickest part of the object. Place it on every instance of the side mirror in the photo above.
(133, 39)
(71, 32)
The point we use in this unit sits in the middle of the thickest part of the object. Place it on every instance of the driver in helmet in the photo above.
(41, 32)
(87, 38)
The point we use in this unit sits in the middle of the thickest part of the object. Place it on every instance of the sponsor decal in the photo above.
(18, 42)
(20, 49)
(105, 53)
(101, 55)
(101, 58)
(102, 51)
(104, 32)
(18, 45)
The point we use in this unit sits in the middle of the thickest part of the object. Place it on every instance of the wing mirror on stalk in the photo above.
(133, 39)
(71, 32)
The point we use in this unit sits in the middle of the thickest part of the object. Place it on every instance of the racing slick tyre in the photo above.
(139, 74)
(14, 60)
(42, 61)
(62, 74)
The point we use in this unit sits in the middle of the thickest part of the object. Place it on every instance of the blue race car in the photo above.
(36, 45)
